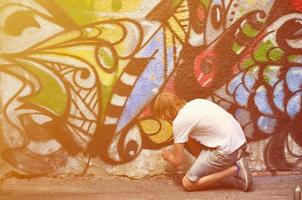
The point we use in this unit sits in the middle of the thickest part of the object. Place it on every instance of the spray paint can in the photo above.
(297, 193)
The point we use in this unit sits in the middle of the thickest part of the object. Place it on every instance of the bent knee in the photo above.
(187, 184)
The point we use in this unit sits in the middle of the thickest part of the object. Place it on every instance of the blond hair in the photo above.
(166, 106)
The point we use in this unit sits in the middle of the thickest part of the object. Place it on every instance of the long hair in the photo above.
(166, 106)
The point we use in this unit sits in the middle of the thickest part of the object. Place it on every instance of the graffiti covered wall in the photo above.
(77, 78)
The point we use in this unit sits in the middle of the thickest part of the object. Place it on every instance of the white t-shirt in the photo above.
(209, 124)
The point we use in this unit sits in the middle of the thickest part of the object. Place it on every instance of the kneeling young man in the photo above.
(214, 128)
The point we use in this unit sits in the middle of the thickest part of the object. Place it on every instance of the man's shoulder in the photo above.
(199, 102)
(201, 106)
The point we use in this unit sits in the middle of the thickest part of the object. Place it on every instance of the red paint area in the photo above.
(205, 69)
(297, 5)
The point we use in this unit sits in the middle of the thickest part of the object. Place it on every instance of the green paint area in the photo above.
(51, 95)
(206, 3)
(295, 59)
(261, 52)
(237, 48)
(249, 31)
(175, 3)
(106, 58)
(276, 54)
(268, 52)
(247, 63)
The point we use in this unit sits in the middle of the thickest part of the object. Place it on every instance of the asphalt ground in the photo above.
(279, 187)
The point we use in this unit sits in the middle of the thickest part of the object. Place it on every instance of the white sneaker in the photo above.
(244, 177)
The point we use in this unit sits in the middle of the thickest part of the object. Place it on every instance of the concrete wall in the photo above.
(77, 79)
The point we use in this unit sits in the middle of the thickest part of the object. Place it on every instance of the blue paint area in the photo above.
(261, 101)
(217, 2)
(151, 79)
(234, 83)
(267, 124)
(279, 95)
(294, 79)
(294, 105)
(249, 80)
(170, 60)
(242, 95)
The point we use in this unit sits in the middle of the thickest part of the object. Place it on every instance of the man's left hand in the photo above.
(166, 154)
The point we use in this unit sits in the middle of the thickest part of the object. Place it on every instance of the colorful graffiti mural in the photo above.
(79, 76)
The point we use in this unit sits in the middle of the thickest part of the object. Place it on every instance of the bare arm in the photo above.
(176, 156)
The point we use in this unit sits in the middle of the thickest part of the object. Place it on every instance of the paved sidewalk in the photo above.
(160, 187)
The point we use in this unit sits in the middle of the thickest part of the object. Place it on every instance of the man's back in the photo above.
(209, 124)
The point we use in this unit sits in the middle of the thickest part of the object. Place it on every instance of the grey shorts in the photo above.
(212, 161)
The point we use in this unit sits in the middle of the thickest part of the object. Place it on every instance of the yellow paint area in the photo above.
(159, 131)
(177, 29)
(95, 45)
(87, 11)
(251, 1)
